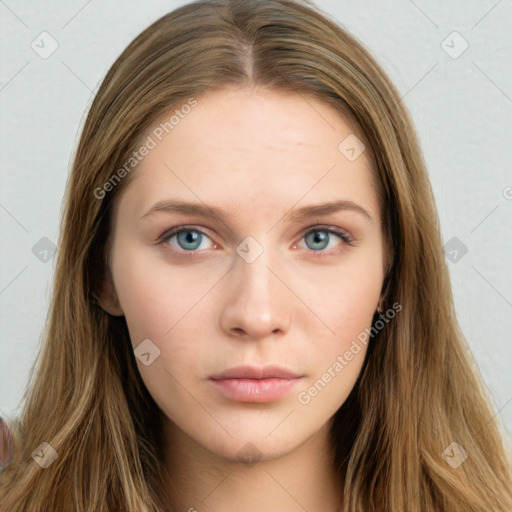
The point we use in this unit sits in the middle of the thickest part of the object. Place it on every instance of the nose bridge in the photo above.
(255, 305)
(254, 279)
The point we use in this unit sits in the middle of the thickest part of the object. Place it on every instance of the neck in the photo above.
(202, 481)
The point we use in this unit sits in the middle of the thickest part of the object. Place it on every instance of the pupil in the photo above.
(319, 237)
(189, 237)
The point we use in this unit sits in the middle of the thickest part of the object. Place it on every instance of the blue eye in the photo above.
(189, 239)
(320, 239)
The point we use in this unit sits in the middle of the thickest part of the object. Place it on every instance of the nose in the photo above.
(257, 300)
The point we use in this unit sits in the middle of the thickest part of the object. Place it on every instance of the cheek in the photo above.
(345, 297)
(346, 306)
(155, 297)
(354, 304)
(162, 304)
(337, 359)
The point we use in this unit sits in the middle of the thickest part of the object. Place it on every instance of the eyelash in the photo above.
(165, 237)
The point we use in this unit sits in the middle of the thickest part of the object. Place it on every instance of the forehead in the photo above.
(254, 148)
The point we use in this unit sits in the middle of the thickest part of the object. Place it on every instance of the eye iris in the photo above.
(318, 237)
(189, 237)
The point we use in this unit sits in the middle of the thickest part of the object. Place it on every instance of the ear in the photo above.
(108, 300)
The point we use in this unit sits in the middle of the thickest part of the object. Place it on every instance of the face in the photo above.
(244, 322)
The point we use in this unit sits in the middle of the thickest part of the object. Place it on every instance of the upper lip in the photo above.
(254, 372)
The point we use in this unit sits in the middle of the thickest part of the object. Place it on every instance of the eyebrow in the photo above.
(295, 215)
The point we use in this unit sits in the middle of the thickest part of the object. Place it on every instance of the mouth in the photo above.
(255, 384)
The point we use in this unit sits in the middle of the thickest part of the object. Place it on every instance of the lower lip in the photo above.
(254, 390)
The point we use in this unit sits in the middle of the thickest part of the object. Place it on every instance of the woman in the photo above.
(252, 371)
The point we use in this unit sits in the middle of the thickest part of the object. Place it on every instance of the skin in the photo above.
(259, 155)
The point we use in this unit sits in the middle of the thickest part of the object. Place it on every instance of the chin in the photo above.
(250, 452)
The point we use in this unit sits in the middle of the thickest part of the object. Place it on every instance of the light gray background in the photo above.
(462, 108)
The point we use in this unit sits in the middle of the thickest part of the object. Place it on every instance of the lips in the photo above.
(253, 372)
(255, 384)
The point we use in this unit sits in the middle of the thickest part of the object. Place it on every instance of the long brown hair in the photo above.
(419, 391)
